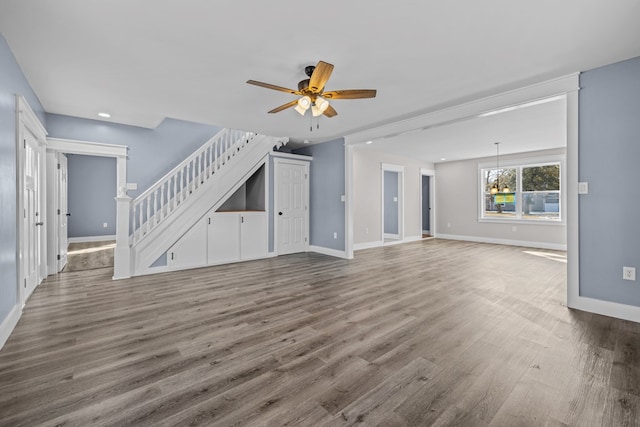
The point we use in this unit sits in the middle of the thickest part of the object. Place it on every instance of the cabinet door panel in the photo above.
(254, 238)
(190, 250)
(223, 237)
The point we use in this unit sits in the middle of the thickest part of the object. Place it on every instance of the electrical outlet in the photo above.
(105, 225)
(366, 230)
(448, 225)
(514, 229)
(335, 235)
(629, 273)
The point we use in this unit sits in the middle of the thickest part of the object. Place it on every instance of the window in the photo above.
(525, 192)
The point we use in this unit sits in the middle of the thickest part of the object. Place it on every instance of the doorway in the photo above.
(427, 202)
(31, 201)
(291, 206)
(392, 208)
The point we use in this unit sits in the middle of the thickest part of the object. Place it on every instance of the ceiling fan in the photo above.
(312, 94)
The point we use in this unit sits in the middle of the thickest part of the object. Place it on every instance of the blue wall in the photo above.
(326, 186)
(609, 156)
(12, 82)
(152, 153)
(91, 209)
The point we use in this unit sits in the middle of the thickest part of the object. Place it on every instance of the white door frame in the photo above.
(432, 198)
(122, 253)
(384, 167)
(27, 121)
(276, 164)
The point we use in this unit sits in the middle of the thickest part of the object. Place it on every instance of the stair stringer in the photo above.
(212, 194)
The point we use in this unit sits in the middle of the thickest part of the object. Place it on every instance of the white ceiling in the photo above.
(145, 60)
(531, 128)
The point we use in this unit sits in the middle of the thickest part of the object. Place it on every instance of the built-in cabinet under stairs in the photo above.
(202, 189)
(236, 231)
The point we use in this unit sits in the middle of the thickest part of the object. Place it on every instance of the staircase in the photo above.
(203, 181)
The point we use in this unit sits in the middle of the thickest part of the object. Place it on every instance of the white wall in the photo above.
(457, 208)
(367, 194)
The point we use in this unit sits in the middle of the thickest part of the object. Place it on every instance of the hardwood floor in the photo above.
(432, 332)
(90, 255)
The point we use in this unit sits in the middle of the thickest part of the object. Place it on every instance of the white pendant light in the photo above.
(303, 105)
(319, 106)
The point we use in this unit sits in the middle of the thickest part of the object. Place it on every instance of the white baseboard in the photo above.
(8, 324)
(525, 243)
(378, 243)
(327, 251)
(92, 239)
(366, 245)
(271, 255)
(607, 308)
(391, 236)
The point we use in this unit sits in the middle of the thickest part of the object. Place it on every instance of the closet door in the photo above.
(223, 237)
(253, 235)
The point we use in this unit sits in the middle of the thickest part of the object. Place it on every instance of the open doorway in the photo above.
(427, 202)
(89, 232)
(392, 203)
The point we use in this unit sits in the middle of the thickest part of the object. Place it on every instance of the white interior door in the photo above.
(32, 218)
(63, 212)
(291, 207)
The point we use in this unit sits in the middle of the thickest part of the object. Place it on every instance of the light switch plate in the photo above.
(583, 188)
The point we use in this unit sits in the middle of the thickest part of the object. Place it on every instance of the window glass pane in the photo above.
(541, 178)
(541, 205)
(501, 178)
(500, 205)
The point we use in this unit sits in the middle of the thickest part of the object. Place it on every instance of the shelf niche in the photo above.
(250, 196)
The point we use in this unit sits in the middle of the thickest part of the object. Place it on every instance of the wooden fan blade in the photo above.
(284, 106)
(274, 87)
(330, 111)
(320, 76)
(350, 94)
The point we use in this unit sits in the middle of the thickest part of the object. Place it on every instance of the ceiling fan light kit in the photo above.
(312, 94)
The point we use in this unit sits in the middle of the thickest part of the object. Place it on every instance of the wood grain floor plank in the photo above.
(433, 332)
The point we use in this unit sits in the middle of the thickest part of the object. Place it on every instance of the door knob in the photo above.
(68, 214)
(39, 223)
(279, 213)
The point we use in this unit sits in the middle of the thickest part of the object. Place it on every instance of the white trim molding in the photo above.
(85, 239)
(378, 243)
(9, 324)
(328, 251)
(87, 148)
(607, 308)
(509, 242)
(367, 245)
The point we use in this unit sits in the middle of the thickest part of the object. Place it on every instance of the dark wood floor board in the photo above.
(529, 403)
(372, 406)
(432, 332)
(621, 409)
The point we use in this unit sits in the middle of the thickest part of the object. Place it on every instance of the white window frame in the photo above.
(520, 164)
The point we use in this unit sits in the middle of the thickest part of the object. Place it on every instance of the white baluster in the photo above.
(216, 156)
(140, 219)
(162, 189)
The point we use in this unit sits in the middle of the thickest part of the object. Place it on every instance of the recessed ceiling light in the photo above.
(443, 158)
(105, 115)
(369, 142)
(306, 141)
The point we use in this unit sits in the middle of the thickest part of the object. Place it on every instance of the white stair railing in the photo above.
(162, 199)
